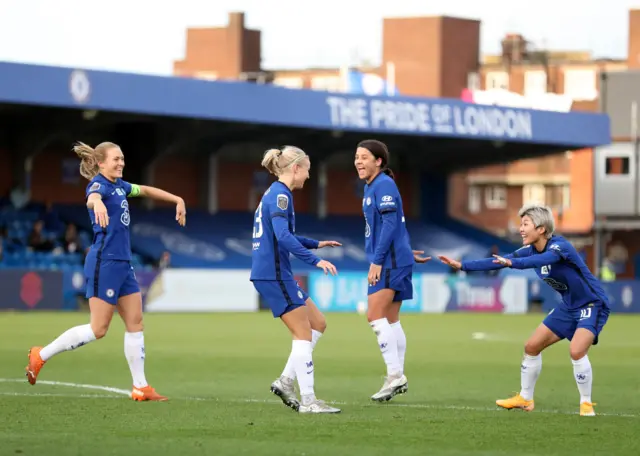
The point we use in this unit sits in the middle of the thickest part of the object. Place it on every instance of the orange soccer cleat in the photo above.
(35, 364)
(516, 402)
(146, 393)
(586, 409)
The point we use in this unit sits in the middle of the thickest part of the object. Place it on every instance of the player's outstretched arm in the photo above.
(289, 241)
(313, 244)
(486, 264)
(537, 260)
(308, 243)
(161, 195)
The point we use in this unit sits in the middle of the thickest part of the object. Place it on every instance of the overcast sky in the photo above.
(146, 36)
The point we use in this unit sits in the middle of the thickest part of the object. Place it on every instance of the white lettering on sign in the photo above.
(348, 112)
(464, 120)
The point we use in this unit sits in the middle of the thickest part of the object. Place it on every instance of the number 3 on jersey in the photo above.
(257, 227)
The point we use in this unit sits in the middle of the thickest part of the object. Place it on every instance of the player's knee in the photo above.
(532, 348)
(133, 322)
(577, 353)
(320, 325)
(374, 313)
(99, 330)
(135, 327)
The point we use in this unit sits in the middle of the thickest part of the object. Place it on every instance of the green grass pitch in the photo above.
(217, 368)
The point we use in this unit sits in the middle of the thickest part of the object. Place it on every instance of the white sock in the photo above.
(315, 337)
(134, 352)
(301, 353)
(388, 345)
(290, 370)
(69, 340)
(584, 377)
(401, 340)
(529, 373)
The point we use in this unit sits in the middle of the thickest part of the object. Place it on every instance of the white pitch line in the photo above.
(122, 392)
(431, 407)
(108, 389)
(91, 396)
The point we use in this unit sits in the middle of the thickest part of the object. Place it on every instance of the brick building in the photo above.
(440, 57)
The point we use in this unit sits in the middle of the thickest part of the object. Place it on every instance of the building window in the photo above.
(328, 83)
(496, 197)
(617, 166)
(557, 196)
(473, 81)
(475, 200)
(497, 80)
(535, 83)
(289, 82)
(566, 196)
(533, 194)
(206, 75)
(580, 85)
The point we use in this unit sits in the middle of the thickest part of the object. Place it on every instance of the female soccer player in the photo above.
(580, 317)
(389, 252)
(109, 276)
(273, 240)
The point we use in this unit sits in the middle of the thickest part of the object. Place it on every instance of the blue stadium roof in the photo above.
(270, 105)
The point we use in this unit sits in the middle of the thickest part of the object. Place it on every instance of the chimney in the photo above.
(514, 49)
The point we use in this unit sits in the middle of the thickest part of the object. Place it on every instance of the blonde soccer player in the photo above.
(274, 239)
(109, 276)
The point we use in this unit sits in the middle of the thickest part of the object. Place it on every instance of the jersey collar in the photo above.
(283, 186)
(375, 178)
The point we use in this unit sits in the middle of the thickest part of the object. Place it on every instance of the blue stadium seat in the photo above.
(224, 240)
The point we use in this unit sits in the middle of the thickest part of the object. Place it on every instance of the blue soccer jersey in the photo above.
(274, 237)
(386, 237)
(560, 266)
(113, 242)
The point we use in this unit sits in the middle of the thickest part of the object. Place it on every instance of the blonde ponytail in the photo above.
(270, 160)
(90, 158)
(276, 160)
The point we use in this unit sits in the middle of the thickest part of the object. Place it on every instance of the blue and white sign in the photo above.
(347, 292)
(252, 103)
(432, 293)
(430, 117)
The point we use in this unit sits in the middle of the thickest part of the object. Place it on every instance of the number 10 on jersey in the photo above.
(257, 227)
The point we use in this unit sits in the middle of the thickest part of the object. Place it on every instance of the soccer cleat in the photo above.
(283, 387)
(146, 393)
(586, 409)
(516, 402)
(318, 406)
(393, 385)
(35, 364)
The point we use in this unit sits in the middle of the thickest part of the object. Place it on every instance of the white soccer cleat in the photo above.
(318, 406)
(393, 385)
(284, 389)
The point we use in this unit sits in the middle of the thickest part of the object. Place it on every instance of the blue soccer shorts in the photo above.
(109, 280)
(564, 322)
(282, 296)
(399, 280)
